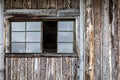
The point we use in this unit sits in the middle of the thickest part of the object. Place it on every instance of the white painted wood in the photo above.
(1, 42)
(81, 54)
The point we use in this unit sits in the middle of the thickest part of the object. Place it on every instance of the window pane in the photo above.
(33, 26)
(18, 36)
(33, 37)
(18, 26)
(65, 36)
(65, 26)
(65, 47)
(33, 47)
(18, 47)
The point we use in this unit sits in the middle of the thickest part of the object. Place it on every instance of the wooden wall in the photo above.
(62, 68)
(41, 4)
(102, 40)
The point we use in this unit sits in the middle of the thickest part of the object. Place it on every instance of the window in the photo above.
(47, 36)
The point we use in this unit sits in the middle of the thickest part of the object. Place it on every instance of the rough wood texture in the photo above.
(41, 4)
(89, 42)
(119, 37)
(114, 37)
(98, 38)
(41, 68)
(1, 41)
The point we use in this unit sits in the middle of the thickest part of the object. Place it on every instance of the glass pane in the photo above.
(33, 37)
(65, 47)
(33, 47)
(33, 26)
(18, 26)
(65, 26)
(65, 36)
(18, 47)
(18, 36)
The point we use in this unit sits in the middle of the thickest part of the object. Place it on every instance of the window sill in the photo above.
(31, 55)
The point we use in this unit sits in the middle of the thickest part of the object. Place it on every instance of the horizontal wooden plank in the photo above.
(44, 12)
(40, 55)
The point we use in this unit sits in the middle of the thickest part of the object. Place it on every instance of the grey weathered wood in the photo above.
(1, 40)
(98, 39)
(40, 55)
(114, 37)
(119, 36)
(81, 54)
(44, 12)
(106, 52)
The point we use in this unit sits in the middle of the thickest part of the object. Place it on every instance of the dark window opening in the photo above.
(50, 36)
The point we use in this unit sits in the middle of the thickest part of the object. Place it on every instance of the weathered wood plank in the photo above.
(114, 36)
(15, 71)
(43, 68)
(105, 41)
(36, 69)
(22, 69)
(66, 68)
(89, 42)
(98, 39)
(29, 69)
(58, 69)
(52, 4)
(1, 40)
(119, 37)
(8, 68)
(60, 4)
(74, 69)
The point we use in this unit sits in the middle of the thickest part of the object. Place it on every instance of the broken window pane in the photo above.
(33, 37)
(65, 36)
(18, 47)
(18, 26)
(65, 47)
(18, 36)
(65, 25)
(33, 26)
(33, 47)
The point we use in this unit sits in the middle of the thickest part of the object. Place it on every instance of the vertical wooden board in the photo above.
(12, 67)
(15, 66)
(98, 39)
(8, 68)
(49, 69)
(52, 4)
(7, 4)
(72, 5)
(74, 69)
(119, 36)
(29, 69)
(105, 41)
(26, 4)
(76, 4)
(60, 4)
(115, 51)
(34, 4)
(58, 69)
(43, 71)
(89, 40)
(66, 68)
(36, 68)
(42, 4)
(22, 69)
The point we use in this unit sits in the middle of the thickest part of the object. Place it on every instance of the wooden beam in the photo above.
(31, 55)
(1, 41)
(44, 12)
(106, 42)
(98, 39)
(81, 59)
